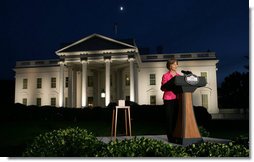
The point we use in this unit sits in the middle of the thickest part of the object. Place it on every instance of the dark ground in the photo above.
(18, 130)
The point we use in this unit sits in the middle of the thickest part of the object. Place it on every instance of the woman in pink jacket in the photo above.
(170, 99)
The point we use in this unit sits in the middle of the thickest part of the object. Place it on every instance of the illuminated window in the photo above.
(66, 82)
(38, 101)
(53, 82)
(53, 101)
(127, 80)
(153, 100)
(90, 101)
(24, 101)
(205, 100)
(152, 79)
(39, 82)
(90, 81)
(24, 83)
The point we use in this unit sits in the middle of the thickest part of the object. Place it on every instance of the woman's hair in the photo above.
(170, 62)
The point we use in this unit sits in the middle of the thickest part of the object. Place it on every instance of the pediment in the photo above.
(96, 42)
(152, 90)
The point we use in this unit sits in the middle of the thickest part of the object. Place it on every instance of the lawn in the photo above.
(21, 124)
(228, 129)
(16, 135)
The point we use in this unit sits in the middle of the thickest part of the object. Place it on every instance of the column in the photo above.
(74, 87)
(70, 86)
(132, 94)
(61, 85)
(84, 84)
(107, 82)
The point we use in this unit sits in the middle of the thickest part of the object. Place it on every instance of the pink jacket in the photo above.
(168, 95)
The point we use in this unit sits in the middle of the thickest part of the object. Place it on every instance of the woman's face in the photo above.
(174, 66)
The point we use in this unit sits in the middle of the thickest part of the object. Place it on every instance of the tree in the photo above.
(234, 91)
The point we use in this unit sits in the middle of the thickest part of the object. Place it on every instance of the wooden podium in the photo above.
(186, 131)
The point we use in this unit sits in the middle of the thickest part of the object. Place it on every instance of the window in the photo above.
(53, 101)
(38, 101)
(24, 101)
(66, 82)
(111, 82)
(204, 74)
(127, 80)
(53, 82)
(152, 79)
(66, 101)
(39, 82)
(153, 100)
(90, 101)
(205, 100)
(90, 81)
(24, 83)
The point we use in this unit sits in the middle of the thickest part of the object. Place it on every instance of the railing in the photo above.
(179, 56)
(144, 58)
(36, 63)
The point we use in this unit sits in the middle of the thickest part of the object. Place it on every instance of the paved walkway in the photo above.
(162, 138)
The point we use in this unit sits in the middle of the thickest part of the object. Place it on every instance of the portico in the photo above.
(86, 58)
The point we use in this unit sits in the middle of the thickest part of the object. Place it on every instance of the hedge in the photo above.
(19, 112)
(70, 142)
(76, 142)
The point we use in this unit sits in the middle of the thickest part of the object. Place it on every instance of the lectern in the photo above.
(186, 131)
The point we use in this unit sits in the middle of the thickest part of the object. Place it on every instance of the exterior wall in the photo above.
(145, 90)
(119, 90)
(32, 92)
(46, 92)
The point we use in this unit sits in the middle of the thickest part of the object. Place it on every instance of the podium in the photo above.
(186, 131)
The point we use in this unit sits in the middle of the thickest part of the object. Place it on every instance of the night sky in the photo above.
(34, 29)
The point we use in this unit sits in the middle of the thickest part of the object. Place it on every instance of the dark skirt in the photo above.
(171, 111)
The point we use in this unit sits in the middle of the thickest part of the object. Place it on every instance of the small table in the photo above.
(127, 120)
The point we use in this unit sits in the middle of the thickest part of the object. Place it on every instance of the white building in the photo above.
(97, 64)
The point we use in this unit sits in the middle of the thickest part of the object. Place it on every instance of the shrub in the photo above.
(202, 116)
(209, 149)
(241, 140)
(203, 132)
(70, 142)
(76, 142)
(141, 147)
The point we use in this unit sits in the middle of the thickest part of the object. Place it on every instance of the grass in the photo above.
(15, 136)
(228, 129)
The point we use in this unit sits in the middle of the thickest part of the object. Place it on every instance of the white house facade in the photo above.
(97, 70)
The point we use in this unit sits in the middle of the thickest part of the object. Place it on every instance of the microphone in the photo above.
(186, 72)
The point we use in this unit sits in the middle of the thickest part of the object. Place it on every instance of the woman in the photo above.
(170, 99)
